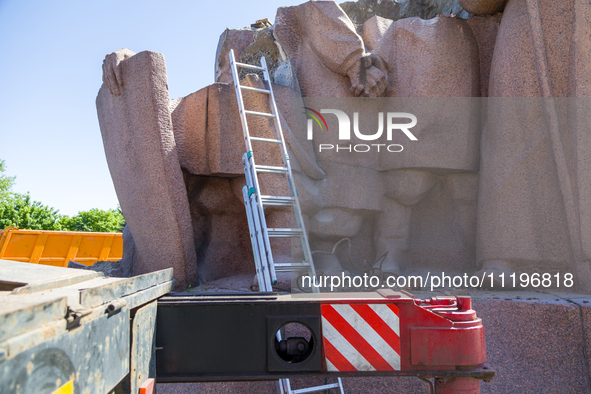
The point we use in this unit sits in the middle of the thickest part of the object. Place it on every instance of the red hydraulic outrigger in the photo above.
(386, 333)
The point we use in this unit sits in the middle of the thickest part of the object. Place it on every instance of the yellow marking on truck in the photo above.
(67, 388)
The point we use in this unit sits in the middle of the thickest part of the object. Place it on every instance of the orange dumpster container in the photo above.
(59, 247)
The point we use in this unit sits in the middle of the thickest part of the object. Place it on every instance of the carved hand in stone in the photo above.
(378, 73)
(368, 76)
(111, 72)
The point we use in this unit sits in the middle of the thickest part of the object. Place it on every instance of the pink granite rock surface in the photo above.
(141, 153)
(319, 39)
(402, 385)
(189, 119)
(532, 179)
(480, 7)
(485, 30)
(585, 305)
(536, 346)
(420, 61)
(222, 240)
(236, 39)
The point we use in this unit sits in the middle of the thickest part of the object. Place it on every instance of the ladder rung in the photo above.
(281, 267)
(277, 201)
(284, 232)
(271, 169)
(265, 140)
(249, 66)
(292, 269)
(255, 89)
(315, 388)
(265, 114)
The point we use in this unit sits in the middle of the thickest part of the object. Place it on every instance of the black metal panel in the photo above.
(209, 336)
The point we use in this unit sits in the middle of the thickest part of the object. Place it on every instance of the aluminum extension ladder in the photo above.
(254, 202)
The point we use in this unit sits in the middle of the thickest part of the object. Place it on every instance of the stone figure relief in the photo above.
(141, 153)
(455, 208)
(532, 214)
(322, 45)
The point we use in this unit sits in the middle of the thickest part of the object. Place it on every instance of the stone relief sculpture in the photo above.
(534, 175)
(183, 165)
(331, 60)
(144, 163)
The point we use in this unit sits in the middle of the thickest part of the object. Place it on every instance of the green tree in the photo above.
(96, 219)
(6, 182)
(20, 211)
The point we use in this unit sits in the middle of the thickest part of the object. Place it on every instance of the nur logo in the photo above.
(344, 132)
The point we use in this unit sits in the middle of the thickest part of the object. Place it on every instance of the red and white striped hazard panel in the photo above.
(361, 337)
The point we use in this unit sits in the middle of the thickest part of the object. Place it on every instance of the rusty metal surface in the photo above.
(96, 295)
(27, 313)
(40, 277)
(13, 322)
(76, 327)
(95, 355)
(149, 294)
(143, 343)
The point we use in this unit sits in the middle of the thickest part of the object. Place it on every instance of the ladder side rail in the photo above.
(298, 212)
(257, 206)
(264, 251)
(253, 238)
(255, 182)
(240, 102)
(287, 386)
(263, 221)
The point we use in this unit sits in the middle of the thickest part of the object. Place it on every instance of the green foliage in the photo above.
(6, 182)
(108, 221)
(19, 210)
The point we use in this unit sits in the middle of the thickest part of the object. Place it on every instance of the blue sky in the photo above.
(51, 54)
